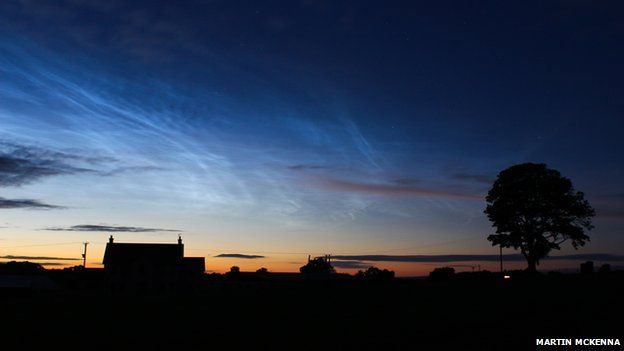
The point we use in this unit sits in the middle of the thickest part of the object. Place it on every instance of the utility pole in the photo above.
(84, 255)
(501, 259)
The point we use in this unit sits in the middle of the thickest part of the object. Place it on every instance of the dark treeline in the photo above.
(258, 310)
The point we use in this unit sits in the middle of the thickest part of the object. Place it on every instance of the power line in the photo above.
(253, 251)
(35, 245)
(305, 253)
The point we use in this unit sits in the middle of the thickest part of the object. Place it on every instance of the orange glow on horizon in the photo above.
(401, 269)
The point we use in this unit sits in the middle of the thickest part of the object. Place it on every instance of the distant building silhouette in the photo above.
(319, 266)
(150, 268)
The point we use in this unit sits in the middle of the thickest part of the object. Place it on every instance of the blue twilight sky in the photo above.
(292, 127)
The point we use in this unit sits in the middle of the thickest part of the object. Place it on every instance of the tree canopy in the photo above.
(536, 209)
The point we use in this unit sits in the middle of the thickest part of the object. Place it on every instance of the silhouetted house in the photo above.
(150, 268)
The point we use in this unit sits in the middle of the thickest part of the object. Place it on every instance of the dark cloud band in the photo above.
(46, 258)
(26, 203)
(468, 258)
(249, 257)
(108, 228)
(20, 165)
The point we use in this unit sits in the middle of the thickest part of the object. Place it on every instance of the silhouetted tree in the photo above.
(318, 265)
(262, 271)
(234, 270)
(441, 273)
(374, 273)
(536, 209)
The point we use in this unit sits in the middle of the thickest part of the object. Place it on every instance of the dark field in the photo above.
(339, 315)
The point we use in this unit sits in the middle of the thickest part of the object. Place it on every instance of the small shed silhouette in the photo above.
(150, 268)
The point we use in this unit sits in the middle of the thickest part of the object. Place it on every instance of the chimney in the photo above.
(180, 246)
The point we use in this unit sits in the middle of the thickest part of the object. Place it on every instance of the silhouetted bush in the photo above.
(262, 271)
(74, 269)
(374, 273)
(25, 267)
(605, 268)
(442, 274)
(233, 273)
(476, 277)
(587, 267)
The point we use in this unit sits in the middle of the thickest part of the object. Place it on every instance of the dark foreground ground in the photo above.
(333, 315)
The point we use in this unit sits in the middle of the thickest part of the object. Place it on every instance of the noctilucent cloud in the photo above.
(267, 131)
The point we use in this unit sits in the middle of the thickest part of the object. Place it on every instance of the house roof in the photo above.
(129, 252)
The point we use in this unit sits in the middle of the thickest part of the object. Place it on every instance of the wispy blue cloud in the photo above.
(395, 190)
(152, 126)
(222, 119)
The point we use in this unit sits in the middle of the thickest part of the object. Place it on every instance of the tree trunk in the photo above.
(532, 264)
(529, 254)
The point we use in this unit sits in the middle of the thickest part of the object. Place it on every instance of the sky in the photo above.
(283, 129)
